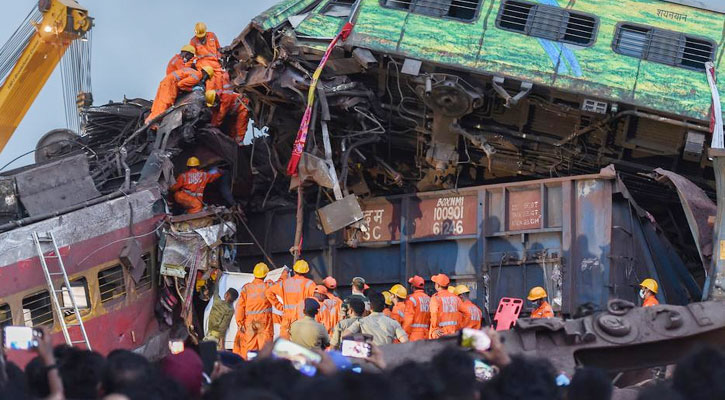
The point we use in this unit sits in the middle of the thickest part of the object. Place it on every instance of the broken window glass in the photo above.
(663, 46)
(547, 22)
(337, 8)
(111, 284)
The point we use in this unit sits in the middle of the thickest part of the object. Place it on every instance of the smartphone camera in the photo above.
(353, 348)
(176, 346)
(304, 360)
(21, 337)
(474, 339)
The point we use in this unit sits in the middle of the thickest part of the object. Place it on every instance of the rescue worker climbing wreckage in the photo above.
(185, 59)
(648, 292)
(538, 295)
(292, 291)
(417, 311)
(181, 80)
(220, 317)
(229, 111)
(189, 187)
(254, 314)
(208, 54)
(444, 316)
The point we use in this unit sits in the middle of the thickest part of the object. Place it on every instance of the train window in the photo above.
(37, 309)
(79, 291)
(464, 10)
(146, 280)
(111, 284)
(6, 317)
(663, 46)
(548, 22)
(337, 8)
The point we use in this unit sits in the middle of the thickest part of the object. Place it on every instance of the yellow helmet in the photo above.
(200, 29)
(399, 291)
(536, 293)
(460, 289)
(192, 162)
(210, 97)
(191, 49)
(388, 298)
(452, 289)
(650, 284)
(301, 267)
(209, 70)
(260, 270)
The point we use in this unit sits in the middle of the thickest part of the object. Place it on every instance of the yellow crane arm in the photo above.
(63, 22)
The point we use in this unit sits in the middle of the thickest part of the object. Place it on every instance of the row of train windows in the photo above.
(37, 308)
(576, 28)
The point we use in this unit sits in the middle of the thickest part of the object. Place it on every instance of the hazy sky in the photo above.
(133, 41)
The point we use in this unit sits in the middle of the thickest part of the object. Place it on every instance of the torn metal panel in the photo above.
(56, 185)
(193, 246)
(132, 258)
(698, 209)
(340, 214)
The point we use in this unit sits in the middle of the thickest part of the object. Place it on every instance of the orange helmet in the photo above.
(441, 279)
(330, 283)
(320, 289)
(417, 281)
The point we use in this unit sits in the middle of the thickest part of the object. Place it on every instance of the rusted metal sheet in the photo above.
(441, 216)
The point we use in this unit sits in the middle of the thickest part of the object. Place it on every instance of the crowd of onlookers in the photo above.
(65, 372)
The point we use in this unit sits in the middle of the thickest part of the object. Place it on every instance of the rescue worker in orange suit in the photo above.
(189, 187)
(333, 302)
(648, 292)
(538, 296)
(184, 59)
(293, 291)
(444, 316)
(183, 80)
(327, 310)
(208, 53)
(417, 311)
(230, 106)
(254, 314)
(471, 315)
(399, 302)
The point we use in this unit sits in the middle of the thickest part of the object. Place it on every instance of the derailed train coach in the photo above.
(582, 237)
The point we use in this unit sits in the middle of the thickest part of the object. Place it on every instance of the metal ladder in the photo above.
(60, 310)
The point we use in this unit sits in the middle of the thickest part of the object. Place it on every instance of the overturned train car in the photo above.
(583, 238)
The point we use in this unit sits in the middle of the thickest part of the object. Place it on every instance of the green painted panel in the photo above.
(278, 13)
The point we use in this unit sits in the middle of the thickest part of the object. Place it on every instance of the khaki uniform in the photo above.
(309, 333)
(336, 340)
(383, 329)
(220, 317)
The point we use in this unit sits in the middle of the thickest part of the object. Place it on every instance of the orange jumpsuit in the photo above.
(232, 104)
(189, 188)
(417, 316)
(544, 311)
(183, 79)
(177, 63)
(650, 301)
(209, 53)
(333, 304)
(444, 316)
(254, 315)
(293, 291)
(398, 312)
(471, 315)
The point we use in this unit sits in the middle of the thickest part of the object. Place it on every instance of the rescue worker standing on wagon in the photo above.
(538, 295)
(232, 107)
(208, 53)
(444, 316)
(254, 314)
(293, 291)
(648, 292)
(189, 187)
(184, 59)
(471, 315)
(417, 311)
